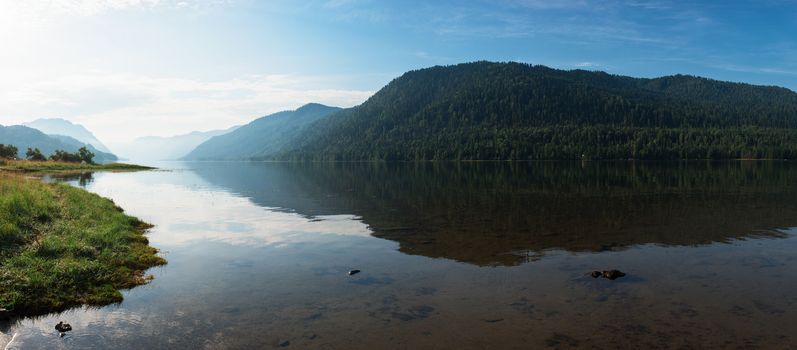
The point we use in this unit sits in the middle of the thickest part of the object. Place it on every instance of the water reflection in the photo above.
(258, 255)
(77, 179)
(509, 213)
(191, 210)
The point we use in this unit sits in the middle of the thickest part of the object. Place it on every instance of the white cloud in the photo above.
(122, 106)
(57, 61)
(587, 65)
(16, 15)
(749, 69)
(553, 4)
(338, 3)
(43, 8)
(21, 20)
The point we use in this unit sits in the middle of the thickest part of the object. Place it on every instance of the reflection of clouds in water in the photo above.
(85, 321)
(185, 213)
(6, 339)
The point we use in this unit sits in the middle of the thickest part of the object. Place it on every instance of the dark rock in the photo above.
(613, 274)
(63, 327)
(353, 272)
(4, 314)
(421, 311)
(596, 274)
(284, 343)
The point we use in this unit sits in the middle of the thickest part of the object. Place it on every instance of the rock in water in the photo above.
(63, 327)
(613, 274)
(353, 272)
(4, 314)
(596, 274)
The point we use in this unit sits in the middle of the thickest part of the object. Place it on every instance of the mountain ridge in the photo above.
(263, 137)
(166, 147)
(24, 137)
(515, 111)
(505, 111)
(60, 126)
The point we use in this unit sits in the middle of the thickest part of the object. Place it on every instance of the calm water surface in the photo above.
(453, 256)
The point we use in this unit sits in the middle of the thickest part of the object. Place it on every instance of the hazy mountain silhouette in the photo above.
(264, 137)
(166, 148)
(58, 126)
(24, 137)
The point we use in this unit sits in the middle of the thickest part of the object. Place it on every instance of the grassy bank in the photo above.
(62, 246)
(29, 166)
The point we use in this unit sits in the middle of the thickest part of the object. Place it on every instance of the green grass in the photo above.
(62, 246)
(29, 166)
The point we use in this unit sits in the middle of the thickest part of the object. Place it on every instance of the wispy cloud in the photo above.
(552, 4)
(340, 3)
(583, 21)
(37, 11)
(649, 5)
(760, 70)
(20, 16)
(587, 65)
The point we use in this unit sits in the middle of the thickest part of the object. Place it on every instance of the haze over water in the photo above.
(453, 256)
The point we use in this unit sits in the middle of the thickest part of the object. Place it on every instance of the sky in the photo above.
(131, 68)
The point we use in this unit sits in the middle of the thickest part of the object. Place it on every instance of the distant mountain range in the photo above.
(56, 133)
(263, 138)
(166, 148)
(24, 137)
(494, 111)
(58, 126)
(514, 111)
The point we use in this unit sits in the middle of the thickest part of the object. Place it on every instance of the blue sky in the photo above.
(128, 68)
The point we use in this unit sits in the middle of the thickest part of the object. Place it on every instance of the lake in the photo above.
(453, 256)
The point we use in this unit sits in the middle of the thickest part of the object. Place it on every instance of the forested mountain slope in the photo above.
(263, 138)
(496, 111)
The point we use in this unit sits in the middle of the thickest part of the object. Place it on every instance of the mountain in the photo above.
(58, 126)
(499, 111)
(166, 148)
(264, 137)
(24, 137)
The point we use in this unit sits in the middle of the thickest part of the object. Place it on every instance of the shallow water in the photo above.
(453, 256)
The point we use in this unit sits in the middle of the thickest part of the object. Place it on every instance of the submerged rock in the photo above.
(353, 272)
(608, 274)
(4, 314)
(613, 274)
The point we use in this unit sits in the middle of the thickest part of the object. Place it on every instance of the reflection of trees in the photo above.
(504, 213)
(82, 179)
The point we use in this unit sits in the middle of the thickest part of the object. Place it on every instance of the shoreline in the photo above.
(49, 167)
(63, 246)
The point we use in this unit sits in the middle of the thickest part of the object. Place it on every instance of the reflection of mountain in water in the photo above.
(504, 213)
